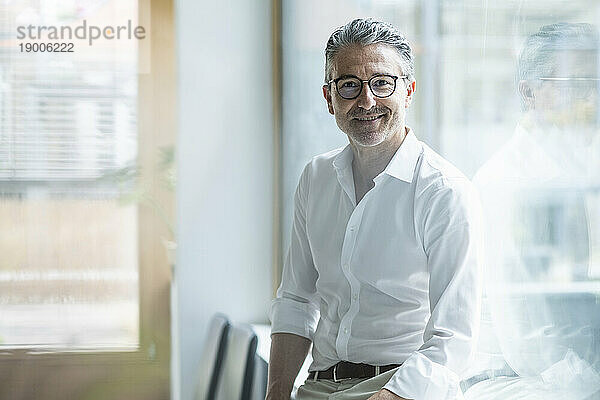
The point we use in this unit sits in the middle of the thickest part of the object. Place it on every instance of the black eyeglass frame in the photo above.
(362, 83)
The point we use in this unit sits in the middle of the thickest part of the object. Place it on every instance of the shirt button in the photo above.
(345, 330)
(345, 266)
(351, 229)
(355, 297)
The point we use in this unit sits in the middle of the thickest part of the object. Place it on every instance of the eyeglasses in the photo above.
(568, 79)
(574, 87)
(349, 86)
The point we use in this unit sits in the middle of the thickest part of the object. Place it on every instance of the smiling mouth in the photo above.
(369, 118)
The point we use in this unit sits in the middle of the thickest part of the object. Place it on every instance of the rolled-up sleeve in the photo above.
(295, 308)
(451, 235)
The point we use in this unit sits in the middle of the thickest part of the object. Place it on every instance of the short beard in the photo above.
(366, 139)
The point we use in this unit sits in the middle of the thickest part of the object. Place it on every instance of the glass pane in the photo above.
(68, 146)
(531, 145)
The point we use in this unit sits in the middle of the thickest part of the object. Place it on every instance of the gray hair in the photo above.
(537, 56)
(365, 32)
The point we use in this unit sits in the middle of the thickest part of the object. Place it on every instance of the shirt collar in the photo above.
(401, 166)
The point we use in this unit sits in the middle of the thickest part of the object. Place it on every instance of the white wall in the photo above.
(225, 161)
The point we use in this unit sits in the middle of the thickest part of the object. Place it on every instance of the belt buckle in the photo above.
(335, 378)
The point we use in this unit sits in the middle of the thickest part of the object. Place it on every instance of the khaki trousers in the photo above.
(351, 389)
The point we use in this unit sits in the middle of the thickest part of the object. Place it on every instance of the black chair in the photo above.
(259, 383)
(240, 375)
(211, 359)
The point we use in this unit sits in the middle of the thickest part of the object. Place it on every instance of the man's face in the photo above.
(569, 103)
(354, 117)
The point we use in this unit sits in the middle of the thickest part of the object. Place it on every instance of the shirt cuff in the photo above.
(291, 316)
(419, 378)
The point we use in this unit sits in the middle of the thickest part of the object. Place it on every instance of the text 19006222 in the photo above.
(47, 47)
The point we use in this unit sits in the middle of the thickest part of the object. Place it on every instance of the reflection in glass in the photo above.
(540, 194)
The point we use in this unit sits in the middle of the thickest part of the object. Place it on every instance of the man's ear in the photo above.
(527, 95)
(327, 95)
(410, 90)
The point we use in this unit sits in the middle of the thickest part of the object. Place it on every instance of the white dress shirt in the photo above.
(395, 278)
(541, 203)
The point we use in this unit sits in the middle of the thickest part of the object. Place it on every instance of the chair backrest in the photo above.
(259, 382)
(211, 359)
(237, 378)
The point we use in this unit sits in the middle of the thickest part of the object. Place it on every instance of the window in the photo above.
(535, 165)
(69, 273)
(86, 163)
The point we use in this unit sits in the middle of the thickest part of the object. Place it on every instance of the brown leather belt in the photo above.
(347, 370)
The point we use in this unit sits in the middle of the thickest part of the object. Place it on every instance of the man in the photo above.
(542, 207)
(382, 273)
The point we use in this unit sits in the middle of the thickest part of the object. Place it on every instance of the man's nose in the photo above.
(366, 99)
